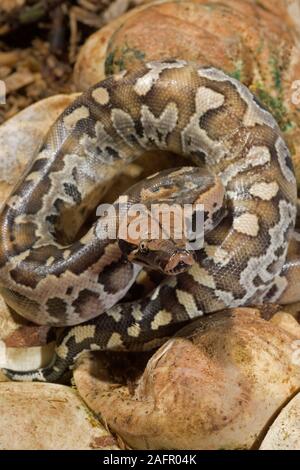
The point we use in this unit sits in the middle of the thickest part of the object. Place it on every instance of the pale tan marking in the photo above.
(118, 76)
(50, 261)
(155, 293)
(124, 126)
(115, 341)
(115, 313)
(255, 114)
(258, 265)
(207, 99)
(152, 176)
(101, 96)
(137, 313)
(164, 124)
(201, 276)
(71, 120)
(163, 317)
(187, 300)
(22, 219)
(83, 332)
(257, 155)
(34, 176)
(218, 254)
(226, 297)
(134, 330)
(94, 347)
(17, 259)
(193, 137)
(246, 223)
(62, 350)
(265, 191)
(66, 254)
(145, 83)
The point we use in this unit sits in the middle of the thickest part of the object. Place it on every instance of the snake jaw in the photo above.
(162, 256)
(179, 262)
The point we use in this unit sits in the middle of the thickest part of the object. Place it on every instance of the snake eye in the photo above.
(143, 248)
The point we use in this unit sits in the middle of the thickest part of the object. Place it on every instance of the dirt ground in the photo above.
(39, 43)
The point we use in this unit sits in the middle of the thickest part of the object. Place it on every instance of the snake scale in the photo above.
(197, 112)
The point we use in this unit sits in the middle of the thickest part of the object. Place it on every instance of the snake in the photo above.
(52, 273)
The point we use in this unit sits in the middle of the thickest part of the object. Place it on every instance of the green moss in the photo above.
(289, 126)
(260, 46)
(118, 58)
(275, 102)
(109, 64)
(135, 52)
(238, 72)
(275, 69)
(276, 106)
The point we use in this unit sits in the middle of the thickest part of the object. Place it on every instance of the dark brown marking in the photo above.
(25, 277)
(116, 276)
(57, 307)
(86, 302)
(72, 191)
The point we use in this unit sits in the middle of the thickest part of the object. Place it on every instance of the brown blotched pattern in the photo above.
(168, 105)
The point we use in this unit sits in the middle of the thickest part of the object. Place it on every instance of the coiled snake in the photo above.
(199, 113)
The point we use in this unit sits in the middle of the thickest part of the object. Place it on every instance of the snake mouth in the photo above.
(179, 262)
(180, 268)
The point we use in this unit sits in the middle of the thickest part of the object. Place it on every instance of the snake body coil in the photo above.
(199, 113)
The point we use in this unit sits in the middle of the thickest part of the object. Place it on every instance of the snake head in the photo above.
(160, 255)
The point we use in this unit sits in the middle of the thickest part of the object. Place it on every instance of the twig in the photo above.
(25, 14)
